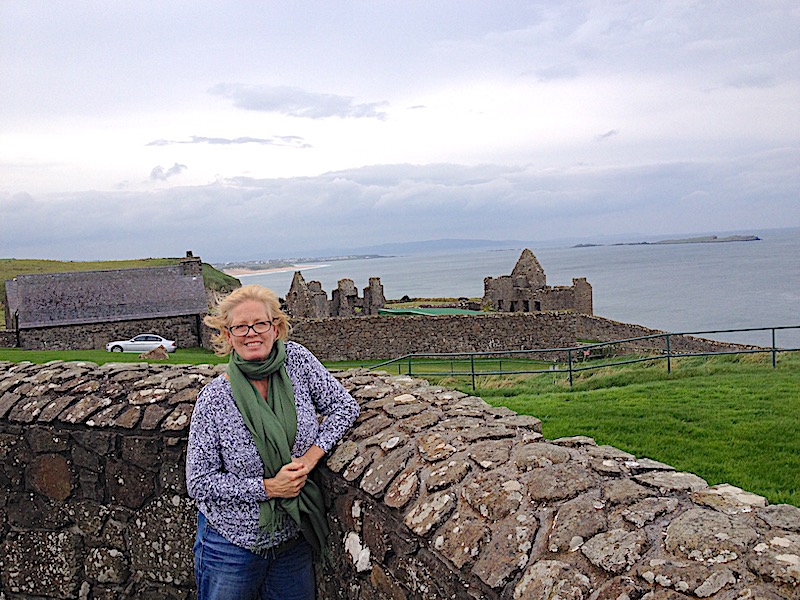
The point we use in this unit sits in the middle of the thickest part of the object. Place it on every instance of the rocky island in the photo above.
(706, 239)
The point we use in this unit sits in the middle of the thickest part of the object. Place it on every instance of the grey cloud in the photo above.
(159, 174)
(296, 102)
(556, 72)
(709, 45)
(245, 218)
(608, 134)
(752, 80)
(279, 140)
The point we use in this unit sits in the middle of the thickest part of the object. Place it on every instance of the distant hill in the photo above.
(443, 245)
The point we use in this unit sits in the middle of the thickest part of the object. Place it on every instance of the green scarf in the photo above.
(273, 425)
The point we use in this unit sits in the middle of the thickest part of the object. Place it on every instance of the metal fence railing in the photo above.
(583, 357)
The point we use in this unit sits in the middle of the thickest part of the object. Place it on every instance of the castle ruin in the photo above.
(309, 300)
(526, 290)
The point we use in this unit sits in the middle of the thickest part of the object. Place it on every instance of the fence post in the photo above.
(774, 352)
(669, 357)
(472, 369)
(569, 360)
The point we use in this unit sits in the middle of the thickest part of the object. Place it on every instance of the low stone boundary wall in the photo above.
(360, 338)
(363, 338)
(434, 494)
(186, 330)
(8, 339)
(589, 327)
(370, 337)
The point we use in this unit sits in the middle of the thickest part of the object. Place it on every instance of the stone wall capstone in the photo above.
(433, 494)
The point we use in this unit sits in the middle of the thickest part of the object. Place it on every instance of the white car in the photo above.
(142, 343)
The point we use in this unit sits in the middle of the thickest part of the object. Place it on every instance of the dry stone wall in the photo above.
(362, 338)
(186, 330)
(380, 336)
(433, 494)
(8, 339)
(590, 327)
(369, 337)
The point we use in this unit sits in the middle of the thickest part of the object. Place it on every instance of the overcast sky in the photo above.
(245, 130)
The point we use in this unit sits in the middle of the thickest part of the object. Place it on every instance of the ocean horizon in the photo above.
(678, 288)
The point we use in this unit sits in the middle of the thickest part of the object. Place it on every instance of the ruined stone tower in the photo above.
(526, 290)
(309, 300)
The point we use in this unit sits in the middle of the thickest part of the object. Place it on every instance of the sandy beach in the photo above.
(245, 272)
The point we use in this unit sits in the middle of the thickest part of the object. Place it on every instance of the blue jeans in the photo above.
(224, 571)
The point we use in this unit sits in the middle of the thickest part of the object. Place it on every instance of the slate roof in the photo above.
(104, 296)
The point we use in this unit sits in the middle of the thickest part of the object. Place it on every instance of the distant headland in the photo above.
(706, 239)
(253, 267)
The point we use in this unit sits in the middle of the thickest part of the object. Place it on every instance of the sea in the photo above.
(679, 288)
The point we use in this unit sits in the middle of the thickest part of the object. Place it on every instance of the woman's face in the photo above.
(253, 346)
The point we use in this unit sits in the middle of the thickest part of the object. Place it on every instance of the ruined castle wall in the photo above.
(186, 330)
(370, 337)
(434, 494)
(309, 300)
(582, 290)
(374, 298)
(556, 298)
(576, 298)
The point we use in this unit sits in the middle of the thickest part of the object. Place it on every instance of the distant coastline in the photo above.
(260, 267)
(239, 272)
(706, 239)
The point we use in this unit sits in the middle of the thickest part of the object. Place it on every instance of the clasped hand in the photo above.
(288, 482)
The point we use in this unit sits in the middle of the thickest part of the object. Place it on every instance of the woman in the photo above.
(255, 437)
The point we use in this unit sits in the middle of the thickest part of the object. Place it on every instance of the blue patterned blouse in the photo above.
(224, 472)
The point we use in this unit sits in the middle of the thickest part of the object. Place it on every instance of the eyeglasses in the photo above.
(243, 330)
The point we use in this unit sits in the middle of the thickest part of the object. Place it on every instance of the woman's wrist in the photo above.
(312, 456)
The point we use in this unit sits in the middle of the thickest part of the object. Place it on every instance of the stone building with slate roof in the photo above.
(85, 310)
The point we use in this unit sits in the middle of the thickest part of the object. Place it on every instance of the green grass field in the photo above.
(729, 419)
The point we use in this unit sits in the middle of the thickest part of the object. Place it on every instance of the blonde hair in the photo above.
(219, 318)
